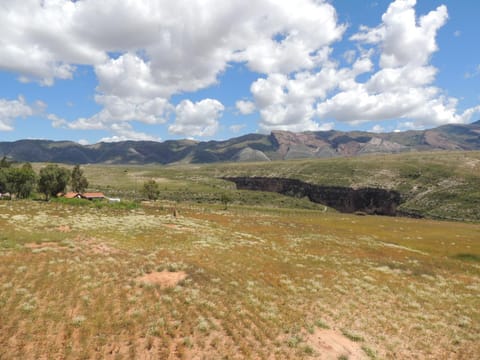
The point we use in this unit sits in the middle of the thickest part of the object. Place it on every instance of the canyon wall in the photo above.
(343, 199)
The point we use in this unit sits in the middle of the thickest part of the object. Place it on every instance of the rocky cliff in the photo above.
(343, 199)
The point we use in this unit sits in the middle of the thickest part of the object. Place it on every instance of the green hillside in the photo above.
(442, 185)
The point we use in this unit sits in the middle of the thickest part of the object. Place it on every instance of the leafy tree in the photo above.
(151, 190)
(4, 170)
(3, 180)
(79, 182)
(53, 180)
(21, 181)
(4, 163)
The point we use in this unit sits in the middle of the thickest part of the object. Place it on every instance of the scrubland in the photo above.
(440, 185)
(255, 282)
(263, 276)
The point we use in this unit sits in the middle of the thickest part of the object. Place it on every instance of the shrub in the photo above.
(352, 336)
(151, 190)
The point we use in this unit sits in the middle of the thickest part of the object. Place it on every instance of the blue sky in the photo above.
(92, 71)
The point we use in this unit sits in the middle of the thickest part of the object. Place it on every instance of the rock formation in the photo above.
(343, 199)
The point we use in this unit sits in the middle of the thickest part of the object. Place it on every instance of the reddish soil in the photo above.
(331, 345)
(64, 229)
(164, 279)
(96, 246)
(103, 249)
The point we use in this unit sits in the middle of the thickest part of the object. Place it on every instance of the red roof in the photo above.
(93, 195)
(71, 195)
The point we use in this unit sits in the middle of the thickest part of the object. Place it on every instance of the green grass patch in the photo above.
(370, 353)
(352, 336)
(467, 257)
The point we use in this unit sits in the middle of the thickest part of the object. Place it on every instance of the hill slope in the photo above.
(440, 184)
(279, 145)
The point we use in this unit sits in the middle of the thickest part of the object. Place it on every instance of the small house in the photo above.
(72, 195)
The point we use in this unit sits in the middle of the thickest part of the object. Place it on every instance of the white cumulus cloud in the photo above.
(39, 42)
(145, 52)
(403, 86)
(124, 132)
(377, 129)
(245, 107)
(118, 109)
(129, 76)
(11, 110)
(404, 39)
(197, 119)
(289, 103)
(162, 47)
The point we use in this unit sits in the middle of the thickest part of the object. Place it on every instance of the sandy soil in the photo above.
(42, 245)
(331, 345)
(164, 279)
(64, 229)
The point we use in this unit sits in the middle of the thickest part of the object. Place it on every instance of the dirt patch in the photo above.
(165, 279)
(472, 163)
(96, 246)
(179, 227)
(64, 229)
(103, 249)
(42, 245)
(331, 345)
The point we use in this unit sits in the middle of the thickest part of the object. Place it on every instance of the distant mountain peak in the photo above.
(279, 145)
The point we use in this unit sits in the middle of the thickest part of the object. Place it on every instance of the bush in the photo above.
(150, 190)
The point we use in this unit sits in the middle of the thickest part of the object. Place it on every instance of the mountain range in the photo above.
(278, 145)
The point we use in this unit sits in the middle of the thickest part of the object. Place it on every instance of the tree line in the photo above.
(22, 181)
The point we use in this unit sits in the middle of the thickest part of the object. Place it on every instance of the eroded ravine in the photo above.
(344, 199)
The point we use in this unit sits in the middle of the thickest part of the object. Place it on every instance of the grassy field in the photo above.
(271, 277)
(261, 283)
(442, 185)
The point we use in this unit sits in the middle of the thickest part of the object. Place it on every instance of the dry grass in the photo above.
(260, 283)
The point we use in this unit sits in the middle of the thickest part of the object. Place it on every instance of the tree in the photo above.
(53, 180)
(21, 181)
(79, 182)
(4, 163)
(150, 190)
(4, 170)
(3, 180)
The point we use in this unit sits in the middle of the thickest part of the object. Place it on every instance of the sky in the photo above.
(114, 70)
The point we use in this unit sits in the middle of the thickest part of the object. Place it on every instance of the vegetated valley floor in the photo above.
(242, 283)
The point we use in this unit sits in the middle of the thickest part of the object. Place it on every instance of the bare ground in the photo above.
(165, 279)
